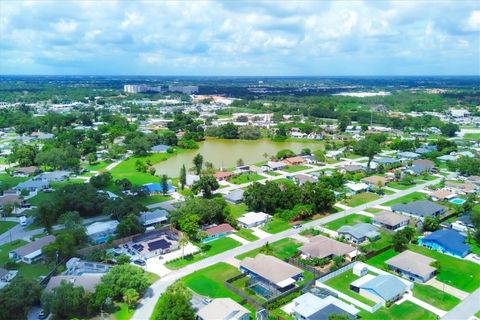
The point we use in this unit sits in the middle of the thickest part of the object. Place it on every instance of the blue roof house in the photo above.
(446, 241)
(382, 288)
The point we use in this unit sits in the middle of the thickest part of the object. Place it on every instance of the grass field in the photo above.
(472, 136)
(6, 248)
(272, 173)
(406, 311)
(9, 181)
(398, 186)
(342, 284)
(461, 274)
(154, 199)
(407, 198)
(276, 225)
(348, 220)
(123, 313)
(379, 260)
(285, 181)
(246, 234)
(360, 198)
(98, 166)
(373, 210)
(292, 169)
(214, 247)
(6, 225)
(282, 249)
(126, 169)
(41, 197)
(237, 210)
(246, 177)
(209, 281)
(385, 240)
(435, 297)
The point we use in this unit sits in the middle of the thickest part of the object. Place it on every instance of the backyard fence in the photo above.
(337, 272)
(299, 263)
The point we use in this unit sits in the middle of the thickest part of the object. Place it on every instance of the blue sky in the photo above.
(240, 37)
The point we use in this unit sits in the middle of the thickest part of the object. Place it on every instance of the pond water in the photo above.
(225, 153)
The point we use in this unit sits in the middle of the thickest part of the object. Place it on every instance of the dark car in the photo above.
(42, 315)
(140, 262)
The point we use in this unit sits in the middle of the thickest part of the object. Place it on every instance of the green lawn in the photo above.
(407, 198)
(154, 199)
(6, 225)
(282, 249)
(210, 281)
(272, 173)
(406, 311)
(124, 312)
(126, 169)
(6, 248)
(342, 284)
(98, 166)
(237, 210)
(276, 225)
(384, 241)
(9, 181)
(458, 273)
(246, 177)
(473, 136)
(41, 197)
(360, 198)
(435, 297)
(398, 186)
(285, 181)
(379, 260)
(246, 234)
(292, 169)
(347, 220)
(213, 248)
(373, 210)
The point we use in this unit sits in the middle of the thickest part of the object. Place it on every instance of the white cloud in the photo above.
(64, 26)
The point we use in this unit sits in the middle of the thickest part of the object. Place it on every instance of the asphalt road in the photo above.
(147, 303)
(465, 309)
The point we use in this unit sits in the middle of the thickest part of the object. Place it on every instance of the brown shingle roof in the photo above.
(412, 262)
(224, 227)
(321, 247)
(390, 218)
(270, 268)
(34, 246)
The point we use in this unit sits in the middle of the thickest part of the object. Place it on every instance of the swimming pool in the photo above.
(457, 201)
(260, 290)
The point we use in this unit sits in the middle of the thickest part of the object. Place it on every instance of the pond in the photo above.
(225, 153)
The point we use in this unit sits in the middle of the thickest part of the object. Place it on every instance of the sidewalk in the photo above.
(239, 239)
(429, 307)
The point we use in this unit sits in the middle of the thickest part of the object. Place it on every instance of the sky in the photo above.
(240, 38)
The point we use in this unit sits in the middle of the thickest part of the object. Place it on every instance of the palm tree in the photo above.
(182, 242)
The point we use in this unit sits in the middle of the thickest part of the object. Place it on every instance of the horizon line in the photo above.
(239, 76)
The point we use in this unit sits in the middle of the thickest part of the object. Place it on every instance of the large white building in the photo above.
(141, 88)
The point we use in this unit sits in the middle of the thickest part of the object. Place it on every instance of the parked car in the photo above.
(140, 262)
(42, 315)
(297, 226)
(207, 300)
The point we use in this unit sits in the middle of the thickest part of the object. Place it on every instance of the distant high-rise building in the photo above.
(141, 88)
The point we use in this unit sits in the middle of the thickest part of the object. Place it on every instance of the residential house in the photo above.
(354, 188)
(474, 179)
(407, 155)
(442, 194)
(419, 209)
(25, 171)
(6, 276)
(427, 148)
(421, 166)
(191, 179)
(272, 271)
(223, 175)
(311, 307)
(359, 233)
(381, 288)
(234, 196)
(459, 113)
(333, 154)
(351, 168)
(412, 266)
(385, 161)
(223, 309)
(463, 224)
(273, 166)
(253, 219)
(77, 267)
(32, 251)
(150, 218)
(160, 148)
(101, 231)
(375, 181)
(324, 247)
(87, 281)
(460, 187)
(301, 178)
(447, 157)
(310, 159)
(390, 220)
(32, 185)
(446, 241)
(53, 176)
(10, 199)
(294, 161)
(243, 169)
(218, 232)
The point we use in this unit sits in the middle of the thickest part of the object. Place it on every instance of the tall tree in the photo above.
(198, 163)
(367, 148)
(17, 297)
(175, 304)
(183, 176)
(164, 182)
(207, 184)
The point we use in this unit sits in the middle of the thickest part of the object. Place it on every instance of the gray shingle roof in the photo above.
(360, 230)
(422, 208)
(385, 286)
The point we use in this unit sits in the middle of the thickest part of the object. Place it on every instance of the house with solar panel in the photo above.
(446, 241)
